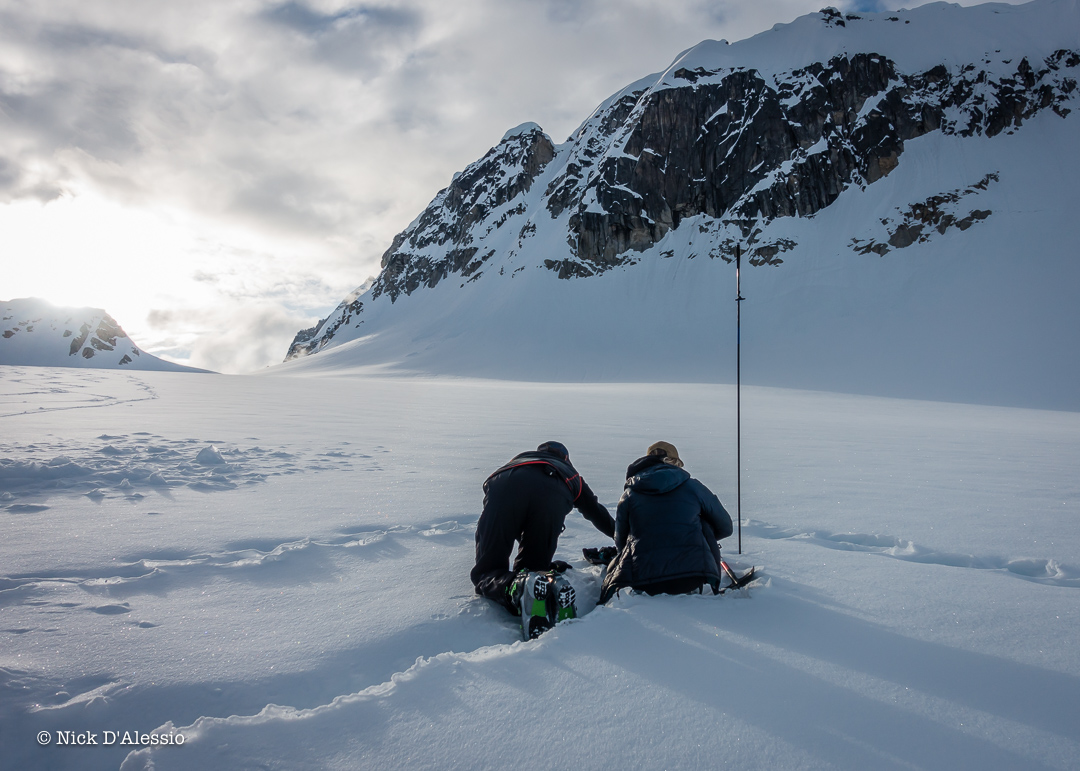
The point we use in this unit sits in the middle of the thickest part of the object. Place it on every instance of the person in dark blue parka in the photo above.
(666, 527)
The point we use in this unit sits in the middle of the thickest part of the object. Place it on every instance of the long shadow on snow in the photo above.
(281, 564)
(146, 708)
(1042, 571)
(833, 722)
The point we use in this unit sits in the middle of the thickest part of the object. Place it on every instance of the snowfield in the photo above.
(276, 569)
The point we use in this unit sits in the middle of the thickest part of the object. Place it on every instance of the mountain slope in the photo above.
(34, 332)
(888, 175)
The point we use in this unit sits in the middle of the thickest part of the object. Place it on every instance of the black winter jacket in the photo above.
(666, 527)
(527, 501)
(580, 494)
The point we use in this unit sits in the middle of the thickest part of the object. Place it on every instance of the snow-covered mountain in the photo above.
(900, 183)
(35, 332)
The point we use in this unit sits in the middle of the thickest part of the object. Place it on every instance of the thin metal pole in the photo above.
(738, 391)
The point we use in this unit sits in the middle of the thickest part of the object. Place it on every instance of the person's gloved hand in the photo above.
(601, 556)
(561, 567)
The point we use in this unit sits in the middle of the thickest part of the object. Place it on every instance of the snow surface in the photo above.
(525, 128)
(277, 569)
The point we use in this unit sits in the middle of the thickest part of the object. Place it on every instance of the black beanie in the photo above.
(555, 448)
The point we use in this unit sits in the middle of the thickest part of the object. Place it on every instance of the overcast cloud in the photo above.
(219, 173)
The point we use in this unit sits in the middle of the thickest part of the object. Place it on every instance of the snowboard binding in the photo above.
(565, 599)
(543, 599)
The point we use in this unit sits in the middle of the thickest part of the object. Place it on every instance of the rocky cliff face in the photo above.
(732, 148)
(737, 145)
(504, 174)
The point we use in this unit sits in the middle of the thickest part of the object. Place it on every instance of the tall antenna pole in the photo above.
(738, 390)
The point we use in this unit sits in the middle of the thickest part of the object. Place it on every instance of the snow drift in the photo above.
(307, 603)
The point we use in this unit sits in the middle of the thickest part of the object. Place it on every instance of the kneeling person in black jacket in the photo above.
(666, 528)
(527, 501)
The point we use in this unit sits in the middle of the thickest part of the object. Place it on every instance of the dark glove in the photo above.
(561, 567)
(601, 556)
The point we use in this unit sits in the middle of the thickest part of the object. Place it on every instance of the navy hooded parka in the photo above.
(666, 527)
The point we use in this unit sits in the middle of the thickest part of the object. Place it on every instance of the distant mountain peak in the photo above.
(35, 332)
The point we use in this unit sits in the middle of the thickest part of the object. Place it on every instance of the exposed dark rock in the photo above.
(938, 213)
(691, 75)
(312, 339)
(767, 254)
(832, 17)
(905, 234)
(565, 190)
(77, 343)
(504, 173)
(568, 268)
(108, 331)
(742, 146)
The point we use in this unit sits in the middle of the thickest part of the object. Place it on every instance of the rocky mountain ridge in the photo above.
(821, 146)
(735, 144)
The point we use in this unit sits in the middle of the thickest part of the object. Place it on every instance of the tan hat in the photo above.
(667, 451)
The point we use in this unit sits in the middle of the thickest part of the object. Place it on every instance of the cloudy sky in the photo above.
(218, 174)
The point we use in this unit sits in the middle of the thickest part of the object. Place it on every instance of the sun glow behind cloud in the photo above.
(88, 250)
(169, 278)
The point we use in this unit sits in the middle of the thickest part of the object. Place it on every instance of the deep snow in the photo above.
(277, 569)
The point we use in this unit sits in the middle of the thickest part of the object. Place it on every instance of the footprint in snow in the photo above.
(112, 610)
(1044, 571)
